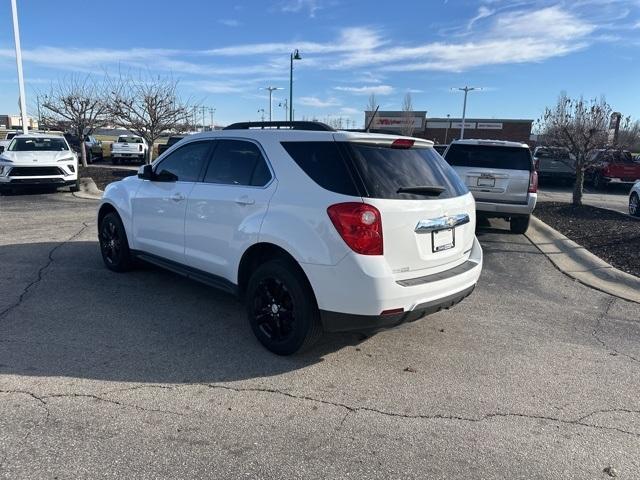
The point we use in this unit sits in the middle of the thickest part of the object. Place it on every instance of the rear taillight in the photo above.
(533, 182)
(536, 165)
(140, 147)
(359, 225)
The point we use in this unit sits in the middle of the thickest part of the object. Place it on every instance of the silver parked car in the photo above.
(501, 177)
(554, 163)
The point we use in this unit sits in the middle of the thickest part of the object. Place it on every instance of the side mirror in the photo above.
(1, 148)
(145, 172)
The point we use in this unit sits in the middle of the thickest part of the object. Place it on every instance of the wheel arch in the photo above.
(258, 254)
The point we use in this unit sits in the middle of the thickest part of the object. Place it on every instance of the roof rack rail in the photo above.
(295, 125)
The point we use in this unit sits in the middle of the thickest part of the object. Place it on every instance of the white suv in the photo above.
(315, 229)
(38, 160)
(501, 176)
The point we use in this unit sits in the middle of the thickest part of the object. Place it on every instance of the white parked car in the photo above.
(129, 147)
(38, 159)
(634, 200)
(501, 176)
(315, 229)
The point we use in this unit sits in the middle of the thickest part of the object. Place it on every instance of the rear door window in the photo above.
(237, 162)
(488, 156)
(385, 170)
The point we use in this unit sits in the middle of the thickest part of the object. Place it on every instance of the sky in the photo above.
(223, 54)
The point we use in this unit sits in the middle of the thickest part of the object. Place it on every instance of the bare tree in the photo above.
(629, 135)
(148, 106)
(78, 102)
(580, 126)
(407, 127)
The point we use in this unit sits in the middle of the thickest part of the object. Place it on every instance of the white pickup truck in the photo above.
(128, 147)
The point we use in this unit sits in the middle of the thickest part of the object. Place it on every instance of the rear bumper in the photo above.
(127, 155)
(345, 322)
(354, 293)
(556, 174)
(488, 208)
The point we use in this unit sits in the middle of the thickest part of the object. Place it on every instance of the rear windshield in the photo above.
(375, 171)
(489, 156)
(129, 140)
(173, 140)
(552, 153)
(55, 144)
(384, 170)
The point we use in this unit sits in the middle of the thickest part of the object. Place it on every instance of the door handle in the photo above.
(177, 197)
(245, 200)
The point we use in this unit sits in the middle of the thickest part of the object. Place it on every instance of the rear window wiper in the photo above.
(431, 191)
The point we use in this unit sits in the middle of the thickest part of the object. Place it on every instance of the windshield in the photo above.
(129, 140)
(44, 144)
(489, 156)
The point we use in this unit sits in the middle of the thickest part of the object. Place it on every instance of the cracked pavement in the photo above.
(149, 375)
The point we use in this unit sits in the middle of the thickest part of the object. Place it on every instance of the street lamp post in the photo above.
(16, 36)
(466, 90)
(271, 90)
(295, 55)
(446, 131)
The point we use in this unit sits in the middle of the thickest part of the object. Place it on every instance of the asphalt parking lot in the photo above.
(149, 375)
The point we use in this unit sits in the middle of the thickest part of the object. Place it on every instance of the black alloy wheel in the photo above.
(281, 308)
(113, 244)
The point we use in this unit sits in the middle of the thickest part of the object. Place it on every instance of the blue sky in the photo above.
(522, 52)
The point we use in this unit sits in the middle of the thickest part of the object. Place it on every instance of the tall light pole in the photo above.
(446, 131)
(16, 36)
(466, 90)
(271, 90)
(295, 55)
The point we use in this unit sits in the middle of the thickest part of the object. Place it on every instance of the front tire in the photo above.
(281, 307)
(113, 244)
(75, 187)
(634, 205)
(519, 225)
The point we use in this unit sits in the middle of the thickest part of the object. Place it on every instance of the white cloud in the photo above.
(317, 102)
(368, 90)
(229, 22)
(483, 12)
(351, 111)
(297, 6)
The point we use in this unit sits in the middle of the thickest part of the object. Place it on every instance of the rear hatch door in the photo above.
(428, 216)
(492, 172)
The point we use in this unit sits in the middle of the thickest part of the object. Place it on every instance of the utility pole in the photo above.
(271, 90)
(211, 112)
(466, 90)
(203, 109)
(16, 36)
(295, 55)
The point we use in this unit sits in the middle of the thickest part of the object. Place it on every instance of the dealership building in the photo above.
(443, 130)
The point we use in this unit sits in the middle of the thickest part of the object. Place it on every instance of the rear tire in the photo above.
(281, 307)
(113, 244)
(634, 205)
(519, 225)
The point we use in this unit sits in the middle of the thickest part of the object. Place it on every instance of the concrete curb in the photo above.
(577, 262)
(88, 190)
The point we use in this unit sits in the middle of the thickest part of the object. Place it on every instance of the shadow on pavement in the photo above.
(82, 321)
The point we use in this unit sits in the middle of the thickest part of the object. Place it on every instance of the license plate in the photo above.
(443, 239)
(486, 182)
